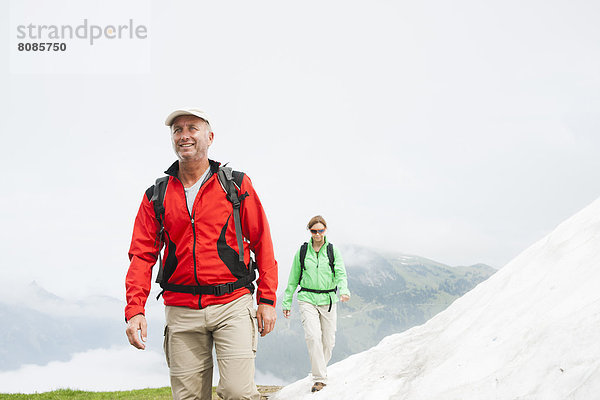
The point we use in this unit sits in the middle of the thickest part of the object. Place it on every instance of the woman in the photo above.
(319, 270)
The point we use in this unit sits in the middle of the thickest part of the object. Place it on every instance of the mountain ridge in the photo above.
(389, 294)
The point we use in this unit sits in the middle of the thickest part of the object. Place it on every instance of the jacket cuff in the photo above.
(133, 311)
(262, 300)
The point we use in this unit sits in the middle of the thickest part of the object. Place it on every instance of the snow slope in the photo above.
(531, 331)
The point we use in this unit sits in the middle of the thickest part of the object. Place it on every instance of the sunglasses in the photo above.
(315, 231)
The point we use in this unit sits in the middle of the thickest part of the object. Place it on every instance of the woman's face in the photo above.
(317, 231)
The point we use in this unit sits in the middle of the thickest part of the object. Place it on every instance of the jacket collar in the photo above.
(173, 170)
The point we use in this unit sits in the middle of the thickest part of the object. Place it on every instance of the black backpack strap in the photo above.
(331, 257)
(303, 250)
(158, 197)
(225, 175)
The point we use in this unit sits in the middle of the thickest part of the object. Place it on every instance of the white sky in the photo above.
(459, 131)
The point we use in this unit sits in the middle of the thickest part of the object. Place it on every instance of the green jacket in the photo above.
(317, 275)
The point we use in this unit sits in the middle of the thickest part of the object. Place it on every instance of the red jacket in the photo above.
(201, 248)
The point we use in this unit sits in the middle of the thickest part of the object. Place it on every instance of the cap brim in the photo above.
(179, 113)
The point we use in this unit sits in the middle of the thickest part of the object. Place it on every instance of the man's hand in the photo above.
(135, 324)
(265, 316)
(344, 298)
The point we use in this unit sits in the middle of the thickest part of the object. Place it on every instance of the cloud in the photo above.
(117, 368)
(121, 368)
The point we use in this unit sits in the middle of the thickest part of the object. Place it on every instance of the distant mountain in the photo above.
(42, 327)
(390, 294)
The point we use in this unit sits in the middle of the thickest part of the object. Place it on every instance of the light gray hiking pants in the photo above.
(189, 338)
(319, 332)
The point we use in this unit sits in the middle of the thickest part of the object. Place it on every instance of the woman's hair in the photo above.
(315, 220)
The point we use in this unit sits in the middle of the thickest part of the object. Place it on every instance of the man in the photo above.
(207, 288)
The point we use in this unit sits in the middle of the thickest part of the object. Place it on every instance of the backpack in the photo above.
(331, 257)
(230, 180)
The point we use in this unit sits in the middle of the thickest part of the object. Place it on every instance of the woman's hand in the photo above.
(286, 313)
(344, 298)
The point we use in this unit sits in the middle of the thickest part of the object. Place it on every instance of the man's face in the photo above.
(191, 138)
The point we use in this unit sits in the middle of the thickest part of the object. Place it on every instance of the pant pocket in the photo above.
(254, 323)
(166, 346)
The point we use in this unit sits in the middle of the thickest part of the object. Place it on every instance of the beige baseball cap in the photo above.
(186, 111)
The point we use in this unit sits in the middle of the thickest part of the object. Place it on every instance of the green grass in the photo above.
(143, 394)
(158, 394)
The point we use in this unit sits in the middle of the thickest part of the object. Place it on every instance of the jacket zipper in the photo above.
(318, 256)
(318, 266)
(194, 257)
(192, 216)
(194, 248)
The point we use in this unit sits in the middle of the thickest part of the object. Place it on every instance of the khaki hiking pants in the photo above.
(319, 332)
(189, 338)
